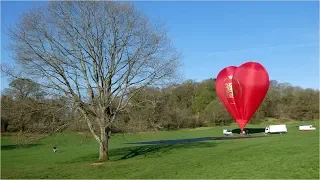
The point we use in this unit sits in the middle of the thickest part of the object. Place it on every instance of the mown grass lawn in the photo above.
(287, 156)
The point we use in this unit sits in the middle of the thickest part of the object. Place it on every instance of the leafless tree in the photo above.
(94, 52)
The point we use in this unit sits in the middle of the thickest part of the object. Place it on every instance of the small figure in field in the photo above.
(55, 149)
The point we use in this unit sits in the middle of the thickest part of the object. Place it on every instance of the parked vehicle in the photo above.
(227, 132)
(306, 128)
(272, 129)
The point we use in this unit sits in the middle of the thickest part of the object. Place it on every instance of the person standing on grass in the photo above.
(55, 149)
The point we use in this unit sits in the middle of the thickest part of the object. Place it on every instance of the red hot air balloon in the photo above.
(242, 90)
(225, 92)
(250, 84)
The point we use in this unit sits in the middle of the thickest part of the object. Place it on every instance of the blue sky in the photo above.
(282, 36)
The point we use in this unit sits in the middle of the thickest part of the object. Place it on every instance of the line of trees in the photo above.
(26, 107)
(195, 104)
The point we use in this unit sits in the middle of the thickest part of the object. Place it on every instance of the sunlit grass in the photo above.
(288, 156)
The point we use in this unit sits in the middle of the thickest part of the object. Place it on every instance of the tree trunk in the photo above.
(5, 126)
(102, 140)
(22, 127)
(104, 144)
(104, 150)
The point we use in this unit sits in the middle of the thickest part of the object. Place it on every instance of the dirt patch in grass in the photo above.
(97, 164)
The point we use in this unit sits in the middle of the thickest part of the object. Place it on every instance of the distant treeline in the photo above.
(25, 106)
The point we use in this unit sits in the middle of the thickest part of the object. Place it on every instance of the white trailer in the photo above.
(306, 128)
(272, 129)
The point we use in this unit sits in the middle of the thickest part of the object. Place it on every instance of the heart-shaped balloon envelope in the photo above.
(224, 90)
(242, 90)
(250, 84)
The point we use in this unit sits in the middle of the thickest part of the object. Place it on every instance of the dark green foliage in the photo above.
(205, 93)
(215, 114)
(192, 104)
(305, 105)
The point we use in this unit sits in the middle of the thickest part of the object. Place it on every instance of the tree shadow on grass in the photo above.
(143, 150)
(250, 130)
(157, 150)
(15, 146)
(173, 141)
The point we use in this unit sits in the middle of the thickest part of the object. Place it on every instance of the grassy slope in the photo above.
(293, 155)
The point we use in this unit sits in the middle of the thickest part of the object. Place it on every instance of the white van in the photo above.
(271, 129)
(227, 132)
(306, 128)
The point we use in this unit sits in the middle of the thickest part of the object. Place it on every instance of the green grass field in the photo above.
(293, 155)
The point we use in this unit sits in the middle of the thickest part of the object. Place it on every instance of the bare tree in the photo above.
(94, 52)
